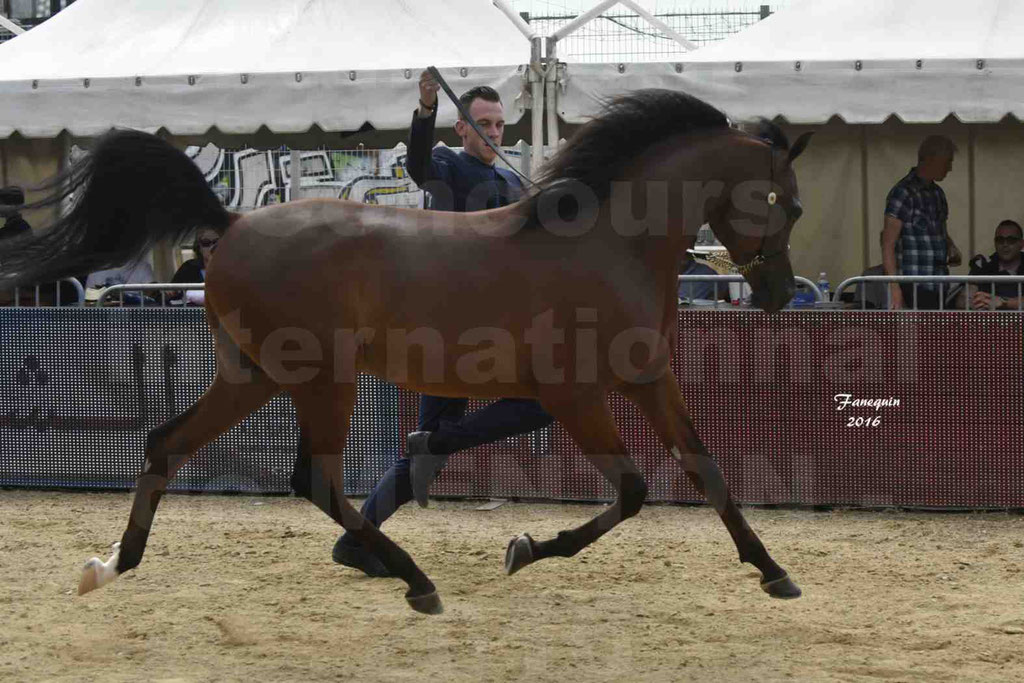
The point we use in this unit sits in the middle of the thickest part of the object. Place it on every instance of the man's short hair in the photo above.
(1012, 224)
(935, 146)
(12, 196)
(480, 92)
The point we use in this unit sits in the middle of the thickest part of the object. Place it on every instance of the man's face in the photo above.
(1008, 243)
(945, 163)
(490, 116)
(937, 167)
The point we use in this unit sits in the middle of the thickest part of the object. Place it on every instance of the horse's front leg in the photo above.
(589, 421)
(324, 410)
(663, 405)
(168, 448)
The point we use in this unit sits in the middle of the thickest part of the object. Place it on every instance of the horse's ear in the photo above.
(799, 146)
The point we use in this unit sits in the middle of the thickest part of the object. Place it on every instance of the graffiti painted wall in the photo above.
(249, 178)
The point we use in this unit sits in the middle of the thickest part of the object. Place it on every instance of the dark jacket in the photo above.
(190, 271)
(14, 226)
(456, 182)
(981, 266)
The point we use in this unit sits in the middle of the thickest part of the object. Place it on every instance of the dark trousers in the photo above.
(452, 431)
(927, 299)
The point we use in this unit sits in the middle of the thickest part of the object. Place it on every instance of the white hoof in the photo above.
(98, 573)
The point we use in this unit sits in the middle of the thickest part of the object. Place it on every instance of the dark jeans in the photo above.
(452, 431)
(927, 299)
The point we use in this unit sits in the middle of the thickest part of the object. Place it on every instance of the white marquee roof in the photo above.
(237, 65)
(861, 60)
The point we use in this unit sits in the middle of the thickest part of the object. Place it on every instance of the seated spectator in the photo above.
(875, 294)
(140, 273)
(11, 200)
(1006, 260)
(692, 291)
(194, 270)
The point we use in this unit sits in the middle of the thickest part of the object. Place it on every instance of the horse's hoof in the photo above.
(426, 604)
(98, 573)
(782, 588)
(518, 554)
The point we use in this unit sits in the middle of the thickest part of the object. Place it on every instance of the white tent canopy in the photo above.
(289, 65)
(861, 60)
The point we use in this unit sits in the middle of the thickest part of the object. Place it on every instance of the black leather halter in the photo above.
(760, 258)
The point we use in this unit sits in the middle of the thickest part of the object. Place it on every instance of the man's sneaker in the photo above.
(358, 557)
(423, 465)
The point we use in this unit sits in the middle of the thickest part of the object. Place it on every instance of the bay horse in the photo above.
(563, 297)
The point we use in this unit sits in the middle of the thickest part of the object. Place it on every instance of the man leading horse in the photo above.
(467, 181)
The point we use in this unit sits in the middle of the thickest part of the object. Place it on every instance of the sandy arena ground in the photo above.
(243, 589)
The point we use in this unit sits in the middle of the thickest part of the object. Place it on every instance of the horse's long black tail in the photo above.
(130, 192)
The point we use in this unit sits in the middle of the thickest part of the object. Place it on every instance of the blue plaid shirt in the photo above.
(921, 206)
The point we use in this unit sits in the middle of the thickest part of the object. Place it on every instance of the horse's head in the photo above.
(757, 214)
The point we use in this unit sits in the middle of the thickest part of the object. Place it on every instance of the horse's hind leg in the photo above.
(589, 421)
(325, 412)
(169, 447)
(663, 405)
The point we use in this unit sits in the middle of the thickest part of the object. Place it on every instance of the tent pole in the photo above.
(294, 182)
(537, 108)
(551, 92)
(523, 27)
(865, 205)
(11, 26)
(582, 19)
(972, 204)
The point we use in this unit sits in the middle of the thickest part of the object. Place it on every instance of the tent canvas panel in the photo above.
(818, 91)
(281, 103)
(284, 66)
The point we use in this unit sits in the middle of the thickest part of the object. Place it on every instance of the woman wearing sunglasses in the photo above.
(194, 270)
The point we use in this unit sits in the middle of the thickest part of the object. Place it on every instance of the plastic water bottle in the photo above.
(823, 285)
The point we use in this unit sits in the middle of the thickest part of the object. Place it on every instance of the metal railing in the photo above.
(819, 297)
(108, 293)
(946, 285)
(162, 287)
(37, 299)
(949, 287)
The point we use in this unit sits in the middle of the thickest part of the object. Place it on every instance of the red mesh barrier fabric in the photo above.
(766, 392)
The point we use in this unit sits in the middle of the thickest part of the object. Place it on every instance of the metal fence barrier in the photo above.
(934, 416)
(950, 287)
(38, 298)
(819, 297)
(106, 296)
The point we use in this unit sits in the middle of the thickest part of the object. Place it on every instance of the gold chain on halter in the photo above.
(727, 263)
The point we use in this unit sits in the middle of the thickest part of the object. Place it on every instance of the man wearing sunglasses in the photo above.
(1006, 260)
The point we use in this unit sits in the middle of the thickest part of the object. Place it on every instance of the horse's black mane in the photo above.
(625, 127)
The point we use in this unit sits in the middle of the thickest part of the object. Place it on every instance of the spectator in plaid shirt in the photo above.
(915, 240)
